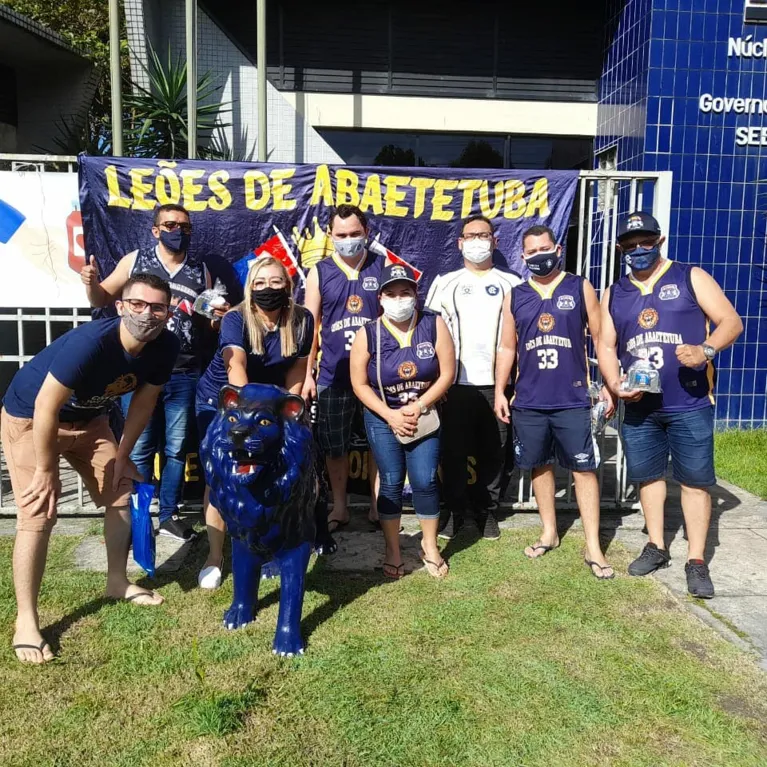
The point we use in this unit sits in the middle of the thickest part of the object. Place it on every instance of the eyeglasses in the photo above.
(137, 306)
(647, 242)
(274, 282)
(484, 236)
(173, 225)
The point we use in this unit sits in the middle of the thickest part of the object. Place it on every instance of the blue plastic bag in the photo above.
(142, 530)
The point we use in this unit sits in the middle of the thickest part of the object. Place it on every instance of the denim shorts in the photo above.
(688, 437)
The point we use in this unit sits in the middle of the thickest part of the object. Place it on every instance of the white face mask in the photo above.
(349, 247)
(477, 251)
(398, 309)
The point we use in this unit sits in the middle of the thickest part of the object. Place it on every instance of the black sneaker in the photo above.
(487, 525)
(651, 559)
(450, 526)
(698, 579)
(175, 527)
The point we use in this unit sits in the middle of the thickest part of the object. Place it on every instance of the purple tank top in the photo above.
(409, 364)
(551, 325)
(349, 301)
(651, 321)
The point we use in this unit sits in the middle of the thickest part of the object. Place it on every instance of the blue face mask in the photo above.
(641, 259)
(175, 241)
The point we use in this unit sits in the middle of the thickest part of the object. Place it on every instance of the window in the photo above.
(456, 150)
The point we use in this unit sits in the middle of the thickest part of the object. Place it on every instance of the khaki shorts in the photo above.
(88, 446)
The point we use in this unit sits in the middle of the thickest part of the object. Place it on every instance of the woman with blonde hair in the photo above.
(265, 339)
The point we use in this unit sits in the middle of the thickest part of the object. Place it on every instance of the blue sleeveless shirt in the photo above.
(651, 321)
(409, 364)
(551, 325)
(349, 300)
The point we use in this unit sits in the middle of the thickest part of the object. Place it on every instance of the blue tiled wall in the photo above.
(718, 203)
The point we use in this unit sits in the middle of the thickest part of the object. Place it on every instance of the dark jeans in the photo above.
(171, 423)
(469, 427)
(420, 460)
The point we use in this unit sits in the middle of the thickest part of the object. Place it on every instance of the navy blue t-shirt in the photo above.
(270, 367)
(92, 362)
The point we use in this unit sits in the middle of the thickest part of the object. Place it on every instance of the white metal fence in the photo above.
(603, 196)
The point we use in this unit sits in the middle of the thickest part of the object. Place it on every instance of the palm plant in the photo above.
(157, 117)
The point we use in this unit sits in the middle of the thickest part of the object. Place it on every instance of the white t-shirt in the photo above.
(471, 304)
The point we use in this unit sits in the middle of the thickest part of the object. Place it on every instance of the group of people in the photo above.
(490, 359)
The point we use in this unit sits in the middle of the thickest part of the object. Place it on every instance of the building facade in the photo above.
(621, 85)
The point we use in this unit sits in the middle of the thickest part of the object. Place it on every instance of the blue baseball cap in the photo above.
(396, 273)
(638, 222)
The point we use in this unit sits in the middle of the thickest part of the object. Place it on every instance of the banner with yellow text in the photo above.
(236, 207)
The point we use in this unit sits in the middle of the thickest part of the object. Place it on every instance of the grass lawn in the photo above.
(508, 662)
(741, 458)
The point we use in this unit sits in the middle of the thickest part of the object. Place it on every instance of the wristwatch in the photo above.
(709, 351)
(424, 409)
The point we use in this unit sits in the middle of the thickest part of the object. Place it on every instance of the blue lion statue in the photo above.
(259, 461)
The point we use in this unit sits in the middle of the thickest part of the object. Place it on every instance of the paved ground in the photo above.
(737, 553)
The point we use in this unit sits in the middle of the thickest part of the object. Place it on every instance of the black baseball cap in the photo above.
(396, 273)
(638, 222)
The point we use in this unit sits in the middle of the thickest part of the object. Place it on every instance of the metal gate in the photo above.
(603, 196)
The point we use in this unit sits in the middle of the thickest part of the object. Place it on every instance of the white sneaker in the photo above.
(209, 577)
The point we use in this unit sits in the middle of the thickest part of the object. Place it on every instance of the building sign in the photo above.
(743, 47)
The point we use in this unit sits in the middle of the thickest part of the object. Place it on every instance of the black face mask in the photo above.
(270, 299)
(543, 264)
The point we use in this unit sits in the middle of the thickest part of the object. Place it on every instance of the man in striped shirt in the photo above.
(470, 301)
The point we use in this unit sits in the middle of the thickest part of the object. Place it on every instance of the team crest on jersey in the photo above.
(566, 303)
(648, 319)
(424, 351)
(407, 370)
(546, 323)
(370, 283)
(467, 290)
(668, 293)
(354, 304)
(492, 290)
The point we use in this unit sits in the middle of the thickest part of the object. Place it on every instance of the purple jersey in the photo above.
(651, 321)
(551, 325)
(349, 300)
(409, 364)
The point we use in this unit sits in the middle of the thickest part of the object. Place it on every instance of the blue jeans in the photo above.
(419, 460)
(648, 438)
(175, 414)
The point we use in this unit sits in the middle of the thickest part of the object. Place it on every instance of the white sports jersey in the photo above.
(471, 304)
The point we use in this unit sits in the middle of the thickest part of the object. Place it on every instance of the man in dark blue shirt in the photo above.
(56, 406)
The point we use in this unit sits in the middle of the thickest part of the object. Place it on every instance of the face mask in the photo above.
(398, 309)
(175, 241)
(270, 299)
(640, 259)
(143, 327)
(543, 264)
(349, 247)
(477, 251)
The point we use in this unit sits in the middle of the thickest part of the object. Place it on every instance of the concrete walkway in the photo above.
(737, 553)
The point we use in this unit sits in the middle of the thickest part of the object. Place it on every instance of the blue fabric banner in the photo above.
(238, 207)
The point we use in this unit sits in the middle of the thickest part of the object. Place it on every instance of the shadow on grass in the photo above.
(55, 631)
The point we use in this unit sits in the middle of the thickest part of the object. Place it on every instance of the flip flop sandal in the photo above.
(39, 648)
(591, 565)
(397, 570)
(539, 546)
(136, 596)
(338, 525)
(435, 568)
